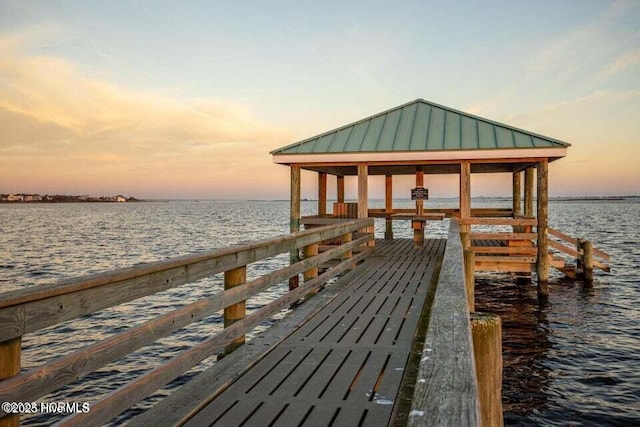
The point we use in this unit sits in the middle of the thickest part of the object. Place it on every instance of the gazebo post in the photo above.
(528, 192)
(418, 225)
(363, 194)
(340, 188)
(517, 189)
(294, 256)
(322, 193)
(465, 194)
(388, 206)
(543, 229)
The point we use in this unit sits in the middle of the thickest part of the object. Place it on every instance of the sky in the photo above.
(166, 99)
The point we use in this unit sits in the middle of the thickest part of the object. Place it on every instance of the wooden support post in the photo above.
(543, 230)
(322, 193)
(487, 349)
(340, 188)
(294, 256)
(418, 226)
(235, 312)
(465, 240)
(10, 353)
(587, 259)
(528, 192)
(311, 273)
(517, 186)
(516, 199)
(363, 196)
(469, 278)
(580, 258)
(465, 193)
(388, 206)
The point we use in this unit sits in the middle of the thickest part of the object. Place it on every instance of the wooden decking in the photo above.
(345, 365)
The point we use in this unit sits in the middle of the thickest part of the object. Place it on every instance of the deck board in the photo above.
(344, 366)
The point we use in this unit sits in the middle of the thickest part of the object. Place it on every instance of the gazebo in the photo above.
(418, 138)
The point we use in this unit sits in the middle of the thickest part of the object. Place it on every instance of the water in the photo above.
(569, 362)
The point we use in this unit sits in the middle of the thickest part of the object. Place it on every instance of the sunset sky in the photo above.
(185, 99)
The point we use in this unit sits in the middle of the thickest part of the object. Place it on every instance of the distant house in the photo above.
(15, 198)
(32, 197)
(121, 199)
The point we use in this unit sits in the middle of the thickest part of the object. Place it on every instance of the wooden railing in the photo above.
(584, 253)
(446, 392)
(510, 251)
(31, 309)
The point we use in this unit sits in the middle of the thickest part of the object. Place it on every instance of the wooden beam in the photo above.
(502, 236)
(543, 229)
(469, 278)
(528, 192)
(511, 250)
(340, 188)
(322, 193)
(499, 221)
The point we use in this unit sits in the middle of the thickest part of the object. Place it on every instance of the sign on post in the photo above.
(419, 193)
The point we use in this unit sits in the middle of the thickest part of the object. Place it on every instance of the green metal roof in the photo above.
(420, 126)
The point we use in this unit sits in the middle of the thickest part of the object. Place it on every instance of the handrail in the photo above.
(605, 256)
(31, 309)
(50, 376)
(499, 221)
(446, 392)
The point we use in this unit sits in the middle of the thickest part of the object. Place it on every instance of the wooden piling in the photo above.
(487, 348)
(10, 353)
(587, 258)
(580, 258)
(469, 278)
(418, 226)
(294, 256)
(235, 312)
(543, 229)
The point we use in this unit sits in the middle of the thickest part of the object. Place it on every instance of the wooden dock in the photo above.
(351, 354)
(344, 366)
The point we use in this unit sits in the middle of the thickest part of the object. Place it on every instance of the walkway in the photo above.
(345, 365)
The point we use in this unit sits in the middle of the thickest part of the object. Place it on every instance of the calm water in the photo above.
(572, 361)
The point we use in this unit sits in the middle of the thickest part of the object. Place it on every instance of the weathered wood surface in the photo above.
(343, 366)
(9, 367)
(528, 191)
(515, 250)
(543, 227)
(121, 399)
(487, 346)
(499, 221)
(28, 310)
(503, 236)
(322, 193)
(517, 193)
(37, 382)
(237, 311)
(446, 392)
(185, 402)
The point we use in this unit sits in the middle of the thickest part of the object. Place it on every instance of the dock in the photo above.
(377, 332)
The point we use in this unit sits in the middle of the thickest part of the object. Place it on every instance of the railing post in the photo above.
(587, 258)
(346, 238)
(487, 349)
(469, 278)
(580, 258)
(235, 312)
(311, 273)
(9, 367)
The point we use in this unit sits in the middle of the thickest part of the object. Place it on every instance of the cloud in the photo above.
(56, 121)
(622, 63)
